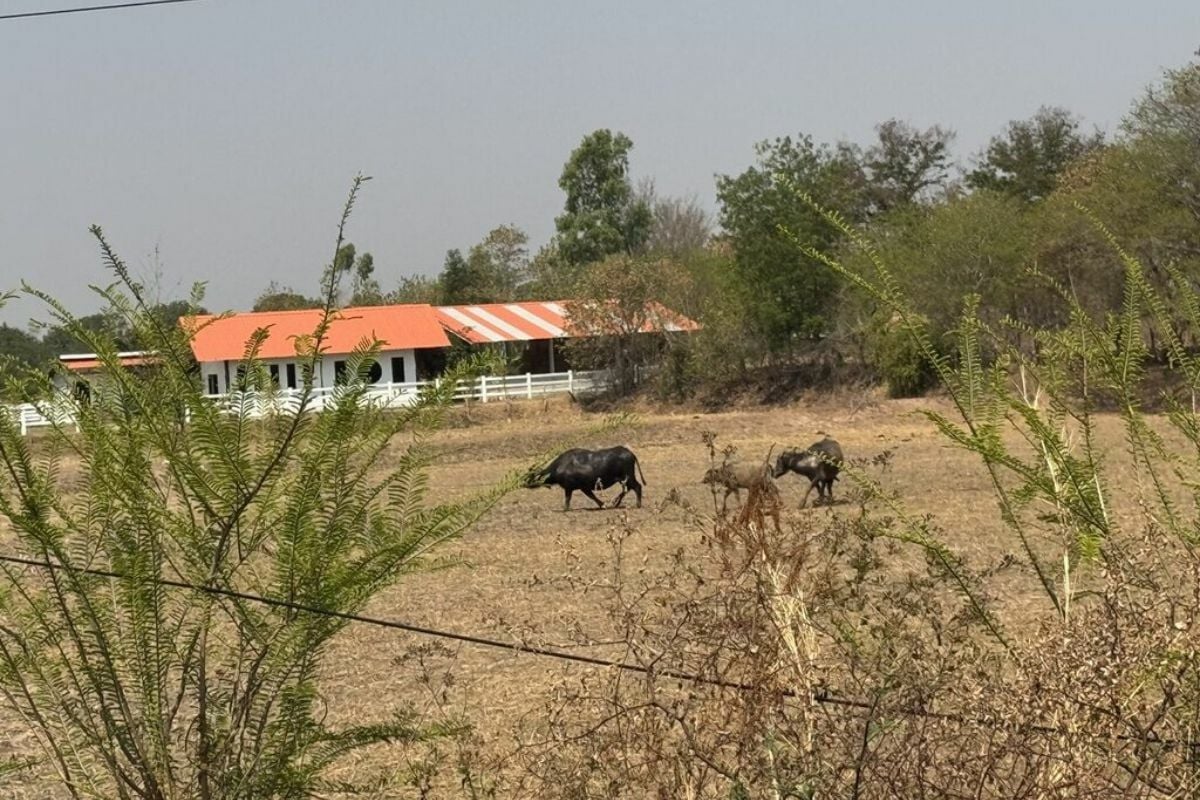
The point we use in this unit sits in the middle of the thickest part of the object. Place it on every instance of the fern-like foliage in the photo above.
(139, 690)
(1030, 413)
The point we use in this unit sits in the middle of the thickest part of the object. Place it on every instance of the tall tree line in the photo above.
(945, 228)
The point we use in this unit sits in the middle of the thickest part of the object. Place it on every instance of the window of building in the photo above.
(398, 369)
(275, 374)
(291, 376)
(374, 373)
(214, 386)
(339, 372)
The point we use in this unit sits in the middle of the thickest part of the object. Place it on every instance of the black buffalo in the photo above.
(820, 463)
(589, 470)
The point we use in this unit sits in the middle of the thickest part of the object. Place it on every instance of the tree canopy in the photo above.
(283, 298)
(1027, 159)
(905, 164)
(762, 210)
(458, 284)
(679, 225)
(601, 215)
(24, 347)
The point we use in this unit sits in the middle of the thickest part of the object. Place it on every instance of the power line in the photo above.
(110, 7)
(823, 697)
(382, 623)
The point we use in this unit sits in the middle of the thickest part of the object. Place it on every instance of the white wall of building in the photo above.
(216, 376)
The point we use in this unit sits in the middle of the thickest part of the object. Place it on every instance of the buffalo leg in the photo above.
(626, 486)
(811, 486)
(567, 499)
(599, 503)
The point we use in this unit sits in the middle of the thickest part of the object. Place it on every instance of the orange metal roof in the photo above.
(509, 322)
(397, 327)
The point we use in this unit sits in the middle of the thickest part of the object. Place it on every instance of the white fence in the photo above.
(43, 415)
(397, 395)
(388, 395)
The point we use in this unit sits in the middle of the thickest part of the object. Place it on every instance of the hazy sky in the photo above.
(225, 133)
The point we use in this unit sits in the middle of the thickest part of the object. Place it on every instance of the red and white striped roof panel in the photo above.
(511, 322)
(504, 322)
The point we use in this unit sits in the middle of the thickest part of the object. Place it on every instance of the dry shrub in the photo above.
(762, 501)
(820, 670)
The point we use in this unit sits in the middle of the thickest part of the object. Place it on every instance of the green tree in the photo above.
(617, 308)
(973, 244)
(1028, 158)
(499, 264)
(283, 298)
(169, 312)
(364, 290)
(343, 260)
(24, 347)
(601, 216)
(1168, 116)
(1164, 128)
(60, 339)
(789, 294)
(728, 343)
(980, 244)
(1145, 186)
(905, 164)
(360, 268)
(551, 277)
(458, 282)
(137, 689)
(1129, 184)
(1171, 108)
(417, 289)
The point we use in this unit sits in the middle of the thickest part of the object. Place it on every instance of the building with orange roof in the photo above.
(413, 339)
(81, 373)
(405, 333)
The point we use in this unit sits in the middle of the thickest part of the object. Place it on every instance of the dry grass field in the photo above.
(508, 579)
(510, 561)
